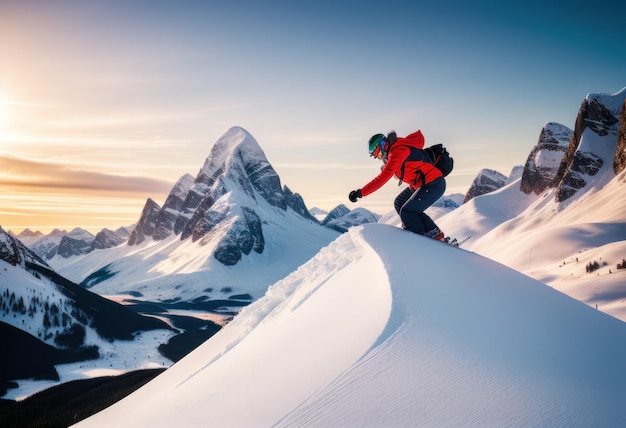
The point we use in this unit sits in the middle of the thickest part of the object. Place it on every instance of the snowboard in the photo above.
(454, 242)
(447, 240)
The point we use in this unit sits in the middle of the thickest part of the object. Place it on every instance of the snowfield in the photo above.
(534, 235)
(386, 328)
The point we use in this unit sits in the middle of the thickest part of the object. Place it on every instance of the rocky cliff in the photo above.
(619, 162)
(545, 158)
(593, 144)
(146, 225)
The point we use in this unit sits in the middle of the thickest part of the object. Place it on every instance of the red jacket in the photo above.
(416, 172)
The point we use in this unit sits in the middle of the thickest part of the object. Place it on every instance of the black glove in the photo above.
(354, 195)
(392, 137)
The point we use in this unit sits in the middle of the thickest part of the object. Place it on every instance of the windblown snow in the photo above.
(387, 328)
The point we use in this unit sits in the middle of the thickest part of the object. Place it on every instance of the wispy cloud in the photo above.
(21, 173)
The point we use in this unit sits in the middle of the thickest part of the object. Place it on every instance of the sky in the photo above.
(105, 104)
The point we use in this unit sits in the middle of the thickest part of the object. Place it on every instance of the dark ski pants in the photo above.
(410, 205)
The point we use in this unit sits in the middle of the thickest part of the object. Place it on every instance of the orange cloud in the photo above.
(21, 173)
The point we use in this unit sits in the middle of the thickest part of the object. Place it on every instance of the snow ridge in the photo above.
(477, 345)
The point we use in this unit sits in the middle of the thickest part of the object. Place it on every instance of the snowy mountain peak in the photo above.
(237, 159)
(146, 224)
(555, 133)
(27, 236)
(57, 233)
(234, 212)
(337, 212)
(341, 218)
(79, 233)
(224, 199)
(180, 189)
(234, 143)
(612, 102)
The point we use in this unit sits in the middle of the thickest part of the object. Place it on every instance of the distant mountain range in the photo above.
(74, 243)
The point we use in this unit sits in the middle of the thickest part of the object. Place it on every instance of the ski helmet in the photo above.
(376, 146)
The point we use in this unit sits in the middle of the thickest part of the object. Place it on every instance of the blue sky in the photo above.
(140, 90)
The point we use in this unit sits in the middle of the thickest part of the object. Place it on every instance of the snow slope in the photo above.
(553, 242)
(386, 328)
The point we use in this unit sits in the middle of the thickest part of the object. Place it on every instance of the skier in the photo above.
(404, 158)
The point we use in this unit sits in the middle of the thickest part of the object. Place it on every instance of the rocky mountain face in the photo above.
(222, 200)
(545, 158)
(146, 226)
(619, 163)
(593, 144)
(296, 203)
(69, 247)
(14, 252)
(46, 246)
(106, 238)
(486, 181)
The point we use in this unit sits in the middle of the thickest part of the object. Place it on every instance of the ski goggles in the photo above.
(376, 145)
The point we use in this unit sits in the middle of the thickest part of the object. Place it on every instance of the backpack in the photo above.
(440, 158)
(436, 155)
